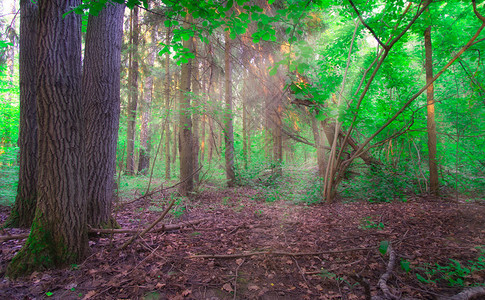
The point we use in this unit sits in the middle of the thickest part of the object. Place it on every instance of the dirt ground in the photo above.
(324, 251)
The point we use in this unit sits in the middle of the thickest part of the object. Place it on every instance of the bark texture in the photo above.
(196, 117)
(432, 141)
(228, 127)
(185, 123)
(59, 233)
(167, 107)
(146, 116)
(101, 102)
(23, 211)
(133, 98)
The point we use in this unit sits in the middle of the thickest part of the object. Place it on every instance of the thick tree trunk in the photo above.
(185, 124)
(432, 141)
(23, 211)
(133, 98)
(101, 102)
(146, 117)
(167, 108)
(59, 233)
(228, 127)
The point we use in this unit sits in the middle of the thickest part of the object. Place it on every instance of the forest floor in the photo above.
(322, 251)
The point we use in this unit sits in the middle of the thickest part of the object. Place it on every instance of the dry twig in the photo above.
(270, 252)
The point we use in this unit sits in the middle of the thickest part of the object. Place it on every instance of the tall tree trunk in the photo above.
(277, 136)
(167, 109)
(433, 163)
(146, 118)
(228, 127)
(23, 211)
(133, 98)
(185, 124)
(196, 116)
(58, 236)
(101, 102)
(12, 37)
(245, 133)
(320, 145)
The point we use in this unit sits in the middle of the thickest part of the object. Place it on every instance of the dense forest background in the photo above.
(280, 122)
(301, 102)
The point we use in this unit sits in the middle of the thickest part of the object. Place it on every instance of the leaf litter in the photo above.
(165, 265)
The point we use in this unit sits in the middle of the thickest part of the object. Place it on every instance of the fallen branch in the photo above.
(13, 237)
(142, 233)
(477, 292)
(277, 253)
(164, 227)
(382, 283)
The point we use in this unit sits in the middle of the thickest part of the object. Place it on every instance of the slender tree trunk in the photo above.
(319, 143)
(58, 236)
(175, 142)
(12, 37)
(146, 131)
(196, 116)
(167, 107)
(278, 137)
(245, 134)
(101, 102)
(432, 141)
(23, 211)
(133, 99)
(228, 127)
(185, 122)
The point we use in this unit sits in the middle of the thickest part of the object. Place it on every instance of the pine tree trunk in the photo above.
(23, 211)
(185, 122)
(196, 116)
(432, 141)
(133, 99)
(167, 108)
(101, 102)
(228, 127)
(146, 117)
(58, 236)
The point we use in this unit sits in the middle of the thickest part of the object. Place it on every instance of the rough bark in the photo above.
(133, 98)
(167, 107)
(23, 211)
(185, 122)
(432, 141)
(196, 116)
(59, 233)
(228, 127)
(101, 102)
(146, 117)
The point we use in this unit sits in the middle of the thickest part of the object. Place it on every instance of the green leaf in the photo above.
(273, 71)
(405, 265)
(270, 2)
(383, 247)
(321, 116)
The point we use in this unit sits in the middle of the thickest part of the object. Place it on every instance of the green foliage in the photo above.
(405, 265)
(383, 246)
(9, 171)
(367, 223)
(454, 274)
